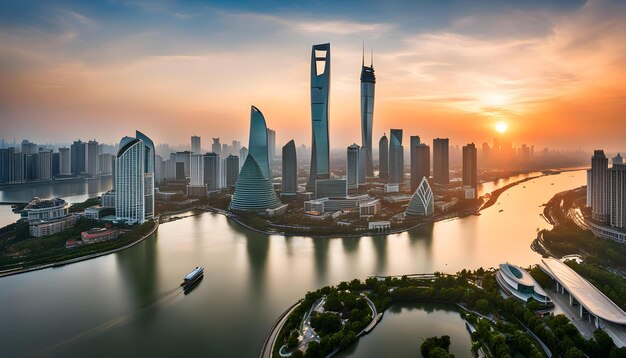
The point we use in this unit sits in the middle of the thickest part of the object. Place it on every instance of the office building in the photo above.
(43, 163)
(363, 153)
(289, 169)
(422, 202)
(258, 143)
(470, 167)
(396, 157)
(368, 84)
(369, 208)
(184, 158)
(106, 164)
(320, 89)
(65, 161)
(253, 191)
(196, 145)
(236, 147)
(159, 169)
(78, 157)
(56, 166)
(420, 162)
(352, 166)
(196, 170)
(599, 203)
(271, 145)
(216, 147)
(617, 193)
(29, 148)
(232, 170)
(441, 166)
(212, 171)
(93, 158)
(48, 217)
(331, 188)
(225, 150)
(383, 157)
(134, 179)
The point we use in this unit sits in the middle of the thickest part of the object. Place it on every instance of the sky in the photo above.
(553, 71)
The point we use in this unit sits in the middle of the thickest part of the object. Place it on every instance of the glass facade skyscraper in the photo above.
(290, 169)
(320, 90)
(383, 157)
(258, 143)
(368, 84)
(441, 166)
(470, 167)
(396, 157)
(352, 166)
(253, 191)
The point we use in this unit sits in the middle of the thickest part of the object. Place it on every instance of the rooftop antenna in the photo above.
(363, 55)
(372, 61)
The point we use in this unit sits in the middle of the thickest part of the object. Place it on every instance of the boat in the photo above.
(192, 277)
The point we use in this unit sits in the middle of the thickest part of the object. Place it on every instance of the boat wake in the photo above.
(165, 300)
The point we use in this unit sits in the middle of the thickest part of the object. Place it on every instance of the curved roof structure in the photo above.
(253, 191)
(517, 282)
(422, 203)
(584, 292)
(258, 141)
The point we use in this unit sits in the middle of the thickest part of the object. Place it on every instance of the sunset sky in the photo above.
(555, 72)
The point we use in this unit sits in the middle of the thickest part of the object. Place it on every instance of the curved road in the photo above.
(268, 345)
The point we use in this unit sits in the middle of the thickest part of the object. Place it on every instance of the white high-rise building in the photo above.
(134, 179)
(197, 170)
(599, 167)
(196, 147)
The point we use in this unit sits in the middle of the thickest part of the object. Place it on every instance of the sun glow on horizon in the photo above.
(501, 127)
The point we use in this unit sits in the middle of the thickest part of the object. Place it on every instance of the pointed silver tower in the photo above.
(368, 84)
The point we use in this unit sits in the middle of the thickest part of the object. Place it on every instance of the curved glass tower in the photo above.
(320, 89)
(253, 191)
(383, 157)
(290, 168)
(422, 203)
(148, 171)
(258, 141)
(368, 83)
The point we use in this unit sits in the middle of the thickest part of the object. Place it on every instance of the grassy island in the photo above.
(501, 327)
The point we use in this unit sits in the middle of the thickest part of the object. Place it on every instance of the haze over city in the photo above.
(552, 72)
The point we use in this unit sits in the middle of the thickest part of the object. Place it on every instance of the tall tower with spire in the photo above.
(368, 84)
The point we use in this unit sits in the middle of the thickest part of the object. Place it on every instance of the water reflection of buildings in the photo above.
(380, 246)
(138, 271)
(257, 248)
(320, 252)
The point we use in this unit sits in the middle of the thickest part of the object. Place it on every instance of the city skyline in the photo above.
(460, 94)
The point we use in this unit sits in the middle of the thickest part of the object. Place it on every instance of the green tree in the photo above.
(482, 305)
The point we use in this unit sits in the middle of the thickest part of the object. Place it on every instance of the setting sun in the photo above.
(501, 127)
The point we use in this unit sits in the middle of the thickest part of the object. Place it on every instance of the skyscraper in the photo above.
(212, 171)
(383, 157)
(93, 158)
(290, 169)
(415, 179)
(470, 167)
(617, 193)
(599, 167)
(320, 90)
(441, 168)
(420, 164)
(271, 145)
(184, 157)
(362, 166)
(64, 161)
(352, 166)
(79, 157)
(368, 84)
(232, 170)
(43, 160)
(258, 143)
(196, 146)
(29, 147)
(253, 191)
(134, 182)
(196, 170)
(216, 147)
(396, 157)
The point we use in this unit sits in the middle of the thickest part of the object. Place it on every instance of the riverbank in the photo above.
(81, 258)
(52, 181)
(473, 210)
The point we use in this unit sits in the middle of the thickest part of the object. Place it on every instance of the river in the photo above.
(129, 303)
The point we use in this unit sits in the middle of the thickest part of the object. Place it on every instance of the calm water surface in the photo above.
(403, 329)
(130, 304)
